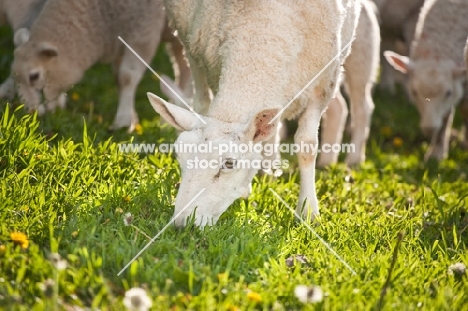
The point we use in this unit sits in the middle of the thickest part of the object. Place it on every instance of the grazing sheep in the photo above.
(397, 25)
(20, 15)
(255, 56)
(436, 69)
(361, 68)
(69, 37)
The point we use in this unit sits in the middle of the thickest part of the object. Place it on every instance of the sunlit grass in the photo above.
(65, 188)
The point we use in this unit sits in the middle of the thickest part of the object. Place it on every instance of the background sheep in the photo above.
(436, 70)
(255, 57)
(62, 46)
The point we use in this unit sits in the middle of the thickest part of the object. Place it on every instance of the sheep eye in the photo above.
(414, 92)
(33, 77)
(448, 94)
(229, 164)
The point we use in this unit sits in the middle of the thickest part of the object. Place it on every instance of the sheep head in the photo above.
(217, 171)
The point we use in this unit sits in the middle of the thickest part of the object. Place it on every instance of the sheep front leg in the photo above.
(438, 148)
(307, 133)
(362, 107)
(129, 74)
(333, 124)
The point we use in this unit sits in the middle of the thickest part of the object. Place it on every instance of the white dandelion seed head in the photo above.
(57, 261)
(136, 300)
(128, 219)
(457, 269)
(307, 294)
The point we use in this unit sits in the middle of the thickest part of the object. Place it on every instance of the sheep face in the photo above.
(435, 86)
(222, 175)
(32, 62)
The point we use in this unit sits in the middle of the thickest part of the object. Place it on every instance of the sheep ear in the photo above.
(47, 50)
(260, 128)
(180, 118)
(399, 62)
(21, 36)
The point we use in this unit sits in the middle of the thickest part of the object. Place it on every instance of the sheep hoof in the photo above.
(124, 122)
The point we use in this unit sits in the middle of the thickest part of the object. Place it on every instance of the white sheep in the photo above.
(436, 69)
(255, 56)
(69, 37)
(22, 14)
(361, 67)
(397, 24)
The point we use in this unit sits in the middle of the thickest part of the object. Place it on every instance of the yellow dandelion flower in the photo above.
(75, 96)
(74, 234)
(2, 249)
(127, 198)
(255, 297)
(386, 131)
(20, 239)
(397, 142)
(138, 129)
(233, 308)
(119, 210)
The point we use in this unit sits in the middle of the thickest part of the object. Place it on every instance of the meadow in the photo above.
(66, 189)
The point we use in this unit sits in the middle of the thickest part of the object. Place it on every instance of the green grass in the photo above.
(65, 185)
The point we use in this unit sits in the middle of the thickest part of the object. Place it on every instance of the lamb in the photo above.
(255, 56)
(20, 15)
(361, 68)
(63, 45)
(436, 69)
(397, 25)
